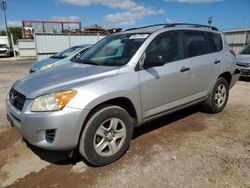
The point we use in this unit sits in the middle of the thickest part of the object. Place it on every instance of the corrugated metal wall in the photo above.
(26, 48)
(49, 44)
(237, 40)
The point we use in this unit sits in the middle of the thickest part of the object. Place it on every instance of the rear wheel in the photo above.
(106, 136)
(217, 100)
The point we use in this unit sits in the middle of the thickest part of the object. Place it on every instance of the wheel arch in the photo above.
(122, 102)
(227, 76)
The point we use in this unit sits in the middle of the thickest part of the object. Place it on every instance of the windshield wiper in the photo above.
(57, 57)
(86, 62)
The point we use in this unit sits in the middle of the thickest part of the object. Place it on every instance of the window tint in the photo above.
(215, 42)
(196, 43)
(114, 50)
(166, 45)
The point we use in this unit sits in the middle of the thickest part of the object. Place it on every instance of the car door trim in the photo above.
(174, 109)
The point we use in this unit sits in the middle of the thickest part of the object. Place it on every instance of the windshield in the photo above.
(246, 50)
(114, 50)
(3, 46)
(66, 53)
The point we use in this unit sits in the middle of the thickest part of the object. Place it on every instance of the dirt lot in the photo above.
(185, 149)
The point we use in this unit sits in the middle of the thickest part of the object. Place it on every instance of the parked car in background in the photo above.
(243, 61)
(123, 81)
(60, 58)
(6, 49)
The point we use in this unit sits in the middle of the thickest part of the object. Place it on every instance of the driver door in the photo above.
(164, 88)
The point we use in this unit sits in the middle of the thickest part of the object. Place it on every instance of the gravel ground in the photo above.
(186, 149)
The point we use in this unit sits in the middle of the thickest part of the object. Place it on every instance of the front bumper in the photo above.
(245, 73)
(34, 126)
(4, 54)
(245, 70)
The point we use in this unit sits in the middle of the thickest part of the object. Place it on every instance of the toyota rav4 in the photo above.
(121, 82)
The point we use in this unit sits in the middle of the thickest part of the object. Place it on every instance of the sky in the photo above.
(227, 14)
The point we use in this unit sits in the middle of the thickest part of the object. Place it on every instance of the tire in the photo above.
(106, 136)
(217, 100)
(11, 54)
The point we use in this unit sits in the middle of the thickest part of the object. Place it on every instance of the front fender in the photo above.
(92, 95)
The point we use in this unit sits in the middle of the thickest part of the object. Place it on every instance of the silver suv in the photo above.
(124, 80)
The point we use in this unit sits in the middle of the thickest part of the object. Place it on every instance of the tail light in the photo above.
(232, 52)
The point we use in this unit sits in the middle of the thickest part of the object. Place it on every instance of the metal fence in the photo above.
(48, 44)
(26, 48)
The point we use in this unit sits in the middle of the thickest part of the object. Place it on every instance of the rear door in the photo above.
(205, 63)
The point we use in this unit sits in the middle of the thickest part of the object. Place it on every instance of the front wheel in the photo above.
(217, 100)
(106, 136)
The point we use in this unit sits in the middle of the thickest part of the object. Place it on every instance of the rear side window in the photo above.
(196, 43)
(215, 42)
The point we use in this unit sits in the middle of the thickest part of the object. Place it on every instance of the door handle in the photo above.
(185, 69)
(216, 61)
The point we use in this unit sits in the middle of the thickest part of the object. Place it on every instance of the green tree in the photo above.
(15, 31)
(2, 33)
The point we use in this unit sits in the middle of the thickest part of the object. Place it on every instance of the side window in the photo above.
(215, 42)
(196, 43)
(167, 45)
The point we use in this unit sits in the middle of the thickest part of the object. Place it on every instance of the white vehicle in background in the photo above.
(6, 49)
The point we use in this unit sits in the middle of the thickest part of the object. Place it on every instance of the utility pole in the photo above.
(210, 20)
(4, 7)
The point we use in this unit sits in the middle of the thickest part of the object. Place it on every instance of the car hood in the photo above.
(65, 77)
(44, 62)
(241, 58)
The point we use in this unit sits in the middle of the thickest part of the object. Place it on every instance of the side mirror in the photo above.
(153, 61)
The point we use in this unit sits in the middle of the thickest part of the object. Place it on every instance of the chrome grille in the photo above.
(243, 64)
(16, 99)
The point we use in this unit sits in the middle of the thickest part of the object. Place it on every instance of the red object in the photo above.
(58, 22)
(63, 24)
(232, 52)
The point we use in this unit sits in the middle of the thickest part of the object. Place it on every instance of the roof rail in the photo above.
(155, 25)
(191, 24)
(175, 24)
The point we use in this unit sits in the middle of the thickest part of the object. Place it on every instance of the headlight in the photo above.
(49, 66)
(52, 102)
